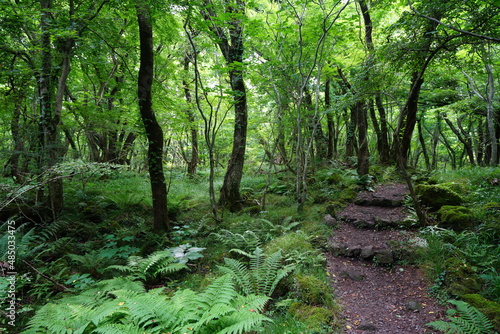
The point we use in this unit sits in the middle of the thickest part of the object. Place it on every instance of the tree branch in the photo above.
(465, 32)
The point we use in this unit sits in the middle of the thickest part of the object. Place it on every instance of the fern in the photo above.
(157, 263)
(122, 306)
(465, 319)
(246, 240)
(262, 274)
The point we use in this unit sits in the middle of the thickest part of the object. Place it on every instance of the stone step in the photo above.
(380, 246)
(375, 217)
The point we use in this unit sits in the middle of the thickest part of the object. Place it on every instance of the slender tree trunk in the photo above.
(382, 139)
(423, 145)
(363, 153)
(329, 122)
(490, 116)
(464, 140)
(154, 132)
(193, 161)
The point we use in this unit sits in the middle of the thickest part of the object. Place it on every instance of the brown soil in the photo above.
(386, 299)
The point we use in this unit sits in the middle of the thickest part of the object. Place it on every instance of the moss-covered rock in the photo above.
(313, 291)
(436, 196)
(316, 318)
(487, 307)
(457, 218)
(461, 277)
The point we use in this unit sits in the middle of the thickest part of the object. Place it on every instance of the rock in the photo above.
(384, 256)
(338, 248)
(457, 218)
(352, 251)
(413, 305)
(436, 196)
(355, 276)
(364, 224)
(367, 253)
(330, 221)
(366, 326)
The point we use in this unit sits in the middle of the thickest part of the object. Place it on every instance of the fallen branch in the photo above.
(62, 287)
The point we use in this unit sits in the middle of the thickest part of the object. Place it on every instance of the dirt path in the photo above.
(368, 263)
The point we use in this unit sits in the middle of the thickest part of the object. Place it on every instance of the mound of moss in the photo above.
(312, 290)
(457, 218)
(316, 318)
(436, 196)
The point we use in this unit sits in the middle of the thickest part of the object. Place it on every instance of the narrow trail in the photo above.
(369, 262)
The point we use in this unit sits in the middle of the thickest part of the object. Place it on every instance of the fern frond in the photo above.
(261, 276)
(119, 329)
(469, 320)
(240, 274)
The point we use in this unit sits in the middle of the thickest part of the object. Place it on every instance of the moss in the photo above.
(318, 233)
(289, 242)
(493, 207)
(348, 195)
(462, 278)
(436, 196)
(316, 318)
(487, 307)
(457, 218)
(459, 188)
(313, 291)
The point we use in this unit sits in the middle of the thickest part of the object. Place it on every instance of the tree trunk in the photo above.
(154, 132)
(194, 159)
(50, 108)
(330, 124)
(363, 153)
(464, 140)
(490, 116)
(230, 192)
(423, 145)
(408, 118)
(230, 42)
(382, 139)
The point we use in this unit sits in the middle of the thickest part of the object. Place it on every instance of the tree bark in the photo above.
(154, 132)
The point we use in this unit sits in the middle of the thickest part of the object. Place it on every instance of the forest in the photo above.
(184, 166)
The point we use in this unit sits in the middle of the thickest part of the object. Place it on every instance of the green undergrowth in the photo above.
(269, 258)
(266, 259)
(462, 257)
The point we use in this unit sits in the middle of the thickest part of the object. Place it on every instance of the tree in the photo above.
(228, 35)
(154, 132)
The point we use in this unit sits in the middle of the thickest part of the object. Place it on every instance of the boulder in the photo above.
(436, 196)
(457, 218)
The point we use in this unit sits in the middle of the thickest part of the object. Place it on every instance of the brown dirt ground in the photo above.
(378, 302)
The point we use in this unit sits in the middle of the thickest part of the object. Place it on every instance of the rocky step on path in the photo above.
(370, 258)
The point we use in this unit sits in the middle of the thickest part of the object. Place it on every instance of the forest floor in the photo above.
(370, 263)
